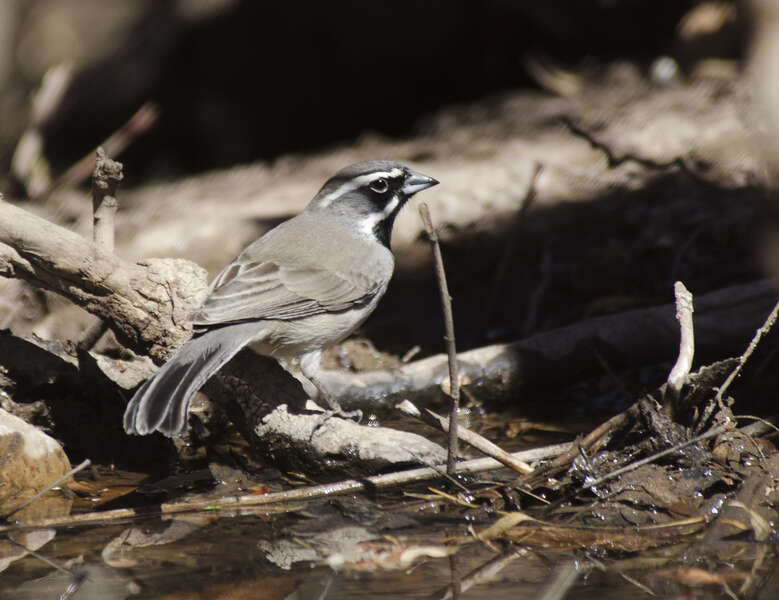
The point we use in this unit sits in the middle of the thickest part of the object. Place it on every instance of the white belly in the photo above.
(291, 339)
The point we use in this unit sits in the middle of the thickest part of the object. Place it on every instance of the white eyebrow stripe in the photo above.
(358, 182)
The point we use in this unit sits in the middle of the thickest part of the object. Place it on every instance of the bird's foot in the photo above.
(355, 414)
(337, 411)
(326, 415)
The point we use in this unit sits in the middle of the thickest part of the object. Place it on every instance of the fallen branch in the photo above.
(637, 337)
(268, 501)
(146, 304)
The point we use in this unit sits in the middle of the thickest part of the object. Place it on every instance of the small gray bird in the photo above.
(303, 286)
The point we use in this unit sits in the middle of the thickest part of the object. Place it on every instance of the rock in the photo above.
(29, 461)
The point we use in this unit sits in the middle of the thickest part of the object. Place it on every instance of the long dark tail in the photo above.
(162, 403)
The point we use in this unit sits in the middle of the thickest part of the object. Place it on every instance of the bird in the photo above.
(303, 286)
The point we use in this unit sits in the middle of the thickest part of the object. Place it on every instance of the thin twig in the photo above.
(466, 435)
(441, 470)
(680, 162)
(764, 329)
(232, 503)
(65, 477)
(446, 306)
(639, 463)
(759, 428)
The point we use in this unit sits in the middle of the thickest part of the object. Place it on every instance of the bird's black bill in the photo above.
(416, 182)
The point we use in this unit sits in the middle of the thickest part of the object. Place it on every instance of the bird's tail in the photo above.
(162, 403)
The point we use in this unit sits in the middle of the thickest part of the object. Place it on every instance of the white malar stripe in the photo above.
(369, 223)
(358, 182)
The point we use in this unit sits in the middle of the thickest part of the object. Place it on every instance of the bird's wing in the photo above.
(265, 290)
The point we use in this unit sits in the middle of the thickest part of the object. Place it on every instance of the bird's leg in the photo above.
(309, 365)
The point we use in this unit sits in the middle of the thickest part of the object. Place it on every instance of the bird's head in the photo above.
(368, 196)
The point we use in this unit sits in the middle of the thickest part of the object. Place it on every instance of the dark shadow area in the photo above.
(606, 255)
(263, 79)
(571, 262)
(79, 406)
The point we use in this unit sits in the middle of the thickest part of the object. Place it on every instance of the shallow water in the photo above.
(332, 550)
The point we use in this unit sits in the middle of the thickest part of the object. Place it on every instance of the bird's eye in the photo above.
(380, 185)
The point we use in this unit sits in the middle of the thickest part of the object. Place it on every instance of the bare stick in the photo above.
(105, 181)
(54, 484)
(680, 371)
(349, 486)
(765, 328)
(466, 435)
(446, 306)
(684, 310)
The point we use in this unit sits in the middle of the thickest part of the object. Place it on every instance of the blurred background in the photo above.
(236, 81)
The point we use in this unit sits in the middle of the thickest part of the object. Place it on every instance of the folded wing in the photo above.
(264, 290)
